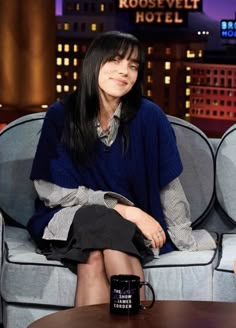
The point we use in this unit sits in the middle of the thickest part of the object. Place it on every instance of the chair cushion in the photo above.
(197, 155)
(27, 277)
(182, 275)
(224, 280)
(226, 174)
(17, 148)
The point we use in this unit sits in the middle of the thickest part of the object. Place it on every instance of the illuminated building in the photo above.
(213, 91)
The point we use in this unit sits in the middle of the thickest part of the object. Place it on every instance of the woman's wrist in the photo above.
(130, 213)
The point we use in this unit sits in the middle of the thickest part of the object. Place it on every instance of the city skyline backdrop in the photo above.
(216, 9)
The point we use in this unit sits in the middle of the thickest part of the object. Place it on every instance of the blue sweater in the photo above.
(151, 162)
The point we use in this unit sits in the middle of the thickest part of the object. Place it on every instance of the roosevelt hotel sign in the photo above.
(163, 12)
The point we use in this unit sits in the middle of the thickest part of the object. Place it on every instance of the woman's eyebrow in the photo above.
(134, 60)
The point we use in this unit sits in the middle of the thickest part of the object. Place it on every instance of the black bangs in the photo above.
(122, 45)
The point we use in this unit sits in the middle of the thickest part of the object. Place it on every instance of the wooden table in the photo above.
(164, 314)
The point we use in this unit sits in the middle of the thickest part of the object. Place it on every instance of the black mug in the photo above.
(125, 294)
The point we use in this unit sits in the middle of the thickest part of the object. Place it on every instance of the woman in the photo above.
(105, 170)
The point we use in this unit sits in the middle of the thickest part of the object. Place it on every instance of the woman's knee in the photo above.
(95, 258)
(93, 267)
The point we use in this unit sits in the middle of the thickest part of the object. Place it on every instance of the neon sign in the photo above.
(164, 12)
(228, 29)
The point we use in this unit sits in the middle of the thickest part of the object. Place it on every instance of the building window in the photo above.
(84, 48)
(187, 104)
(93, 7)
(66, 47)
(59, 26)
(59, 76)
(69, 6)
(167, 65)
(187, 92)
(150, 50)
(66, 88)
(168, 51)
(59, 61)
(75, 76)
(188, 79)
(190, 54)
(66, 61)
(76, 27)
(200, 53)
(101, 27)
(59, 88)
(75, 62)
(102, 7)
(75, 48)
(111, 7)
(59, 47)
(215, 81)
(167, 79)
(149, 93)
(66, 26)
(83, 27)
(149, 64)
(77, 7)
(93, 27)
(149, 79)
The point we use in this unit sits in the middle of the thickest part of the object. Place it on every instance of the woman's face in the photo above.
(117, 77)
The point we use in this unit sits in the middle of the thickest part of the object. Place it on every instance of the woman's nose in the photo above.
(123, 68)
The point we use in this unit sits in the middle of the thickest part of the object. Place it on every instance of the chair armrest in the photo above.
(1, 239)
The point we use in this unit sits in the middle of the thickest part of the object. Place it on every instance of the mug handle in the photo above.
(144, 283)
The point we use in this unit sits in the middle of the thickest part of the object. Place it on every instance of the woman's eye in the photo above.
(134, 67)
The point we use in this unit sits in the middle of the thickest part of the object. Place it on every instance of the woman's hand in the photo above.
(150, 228)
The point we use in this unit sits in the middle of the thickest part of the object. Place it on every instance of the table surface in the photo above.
(164, 314)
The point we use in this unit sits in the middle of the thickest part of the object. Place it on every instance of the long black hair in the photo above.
(82, 106)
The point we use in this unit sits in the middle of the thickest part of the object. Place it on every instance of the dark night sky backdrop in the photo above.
(220, 9)
(216, 9)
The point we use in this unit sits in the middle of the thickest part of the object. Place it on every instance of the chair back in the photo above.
(18, 141)
(226, 174)
(197, 155)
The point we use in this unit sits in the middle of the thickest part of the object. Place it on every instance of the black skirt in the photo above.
(97, 227)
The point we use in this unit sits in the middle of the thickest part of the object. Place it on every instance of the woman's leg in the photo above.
(117, 262)
(92, 284)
